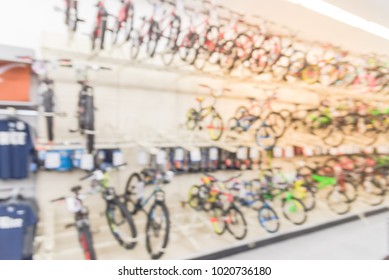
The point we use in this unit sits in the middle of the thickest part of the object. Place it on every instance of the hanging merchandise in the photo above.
(106, 158)
(48, 104)
(16, 149)
(18, 219)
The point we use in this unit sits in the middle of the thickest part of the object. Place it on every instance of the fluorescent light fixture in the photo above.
(341, 15)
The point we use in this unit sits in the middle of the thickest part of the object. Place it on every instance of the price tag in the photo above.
(142, 157)
(254, 153)
(179, 154)
(52, 160)
(117, 158)
(277, 152)
(195, 155)
(213, 154)
(308, 151)
(161, 157)
(87, 162)
(241, 153)
(289, 152)
(73, 204)
(99, 175)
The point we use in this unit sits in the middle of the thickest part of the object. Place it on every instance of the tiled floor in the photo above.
(366, 239)
(191, 233)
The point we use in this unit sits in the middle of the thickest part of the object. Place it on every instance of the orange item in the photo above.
(15, 81)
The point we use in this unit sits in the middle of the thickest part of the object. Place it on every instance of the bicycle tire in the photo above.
(277, 122)
(307, 197)
(190, 51)
(235, 217)
(335, 197)
(217, 220)
(86, 242)
(154, 37)
(265, 136)
(130, 192)
(372, 193)
(135, 42)
(297, 205)
(127, 242)
(191, 119)
(266, 214)
(153, 227)
(216, 127)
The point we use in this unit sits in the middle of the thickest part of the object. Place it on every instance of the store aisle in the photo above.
(365, 239)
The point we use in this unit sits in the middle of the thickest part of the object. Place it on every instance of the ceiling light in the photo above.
(341, 15)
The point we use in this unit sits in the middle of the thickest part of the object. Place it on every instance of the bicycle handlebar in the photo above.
(91, 173)
(57, 199)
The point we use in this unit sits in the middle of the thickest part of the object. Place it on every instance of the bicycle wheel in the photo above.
(86, 242)
(135, 43)
(277, 122)
(121, 224)
(294, 210)
(268, 219)
(371, 192)
(157, 230)
(265, 136)
(306, 195)
(194, 198)
(310, 74)
(131, 192)
(236, 223)
(338, 202)
(335, 138)
(215, 127)
(217, 220)
(191, 119)
(154, 36)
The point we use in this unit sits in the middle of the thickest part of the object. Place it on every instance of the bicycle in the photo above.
(100, 27)
(82, 223)
(267, 216)
(195, 118)
(85, 106)
(207, 197)
(293, 208)
(120, 220)
(124, 22)
(158, 221)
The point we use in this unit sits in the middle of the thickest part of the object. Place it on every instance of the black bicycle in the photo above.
(158, 222)
(119, 219)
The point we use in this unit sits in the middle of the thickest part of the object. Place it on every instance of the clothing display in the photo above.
(16, 147)
(18, 218)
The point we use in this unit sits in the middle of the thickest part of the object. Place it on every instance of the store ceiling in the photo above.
(314, 26)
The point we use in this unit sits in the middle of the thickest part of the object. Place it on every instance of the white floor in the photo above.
(366, 239)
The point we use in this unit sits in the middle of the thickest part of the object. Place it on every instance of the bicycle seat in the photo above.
(76, 189)
(200, 99)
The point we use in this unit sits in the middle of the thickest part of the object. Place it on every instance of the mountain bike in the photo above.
(120, 220)
(195, 118)
(82, 223)
(158, 221)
